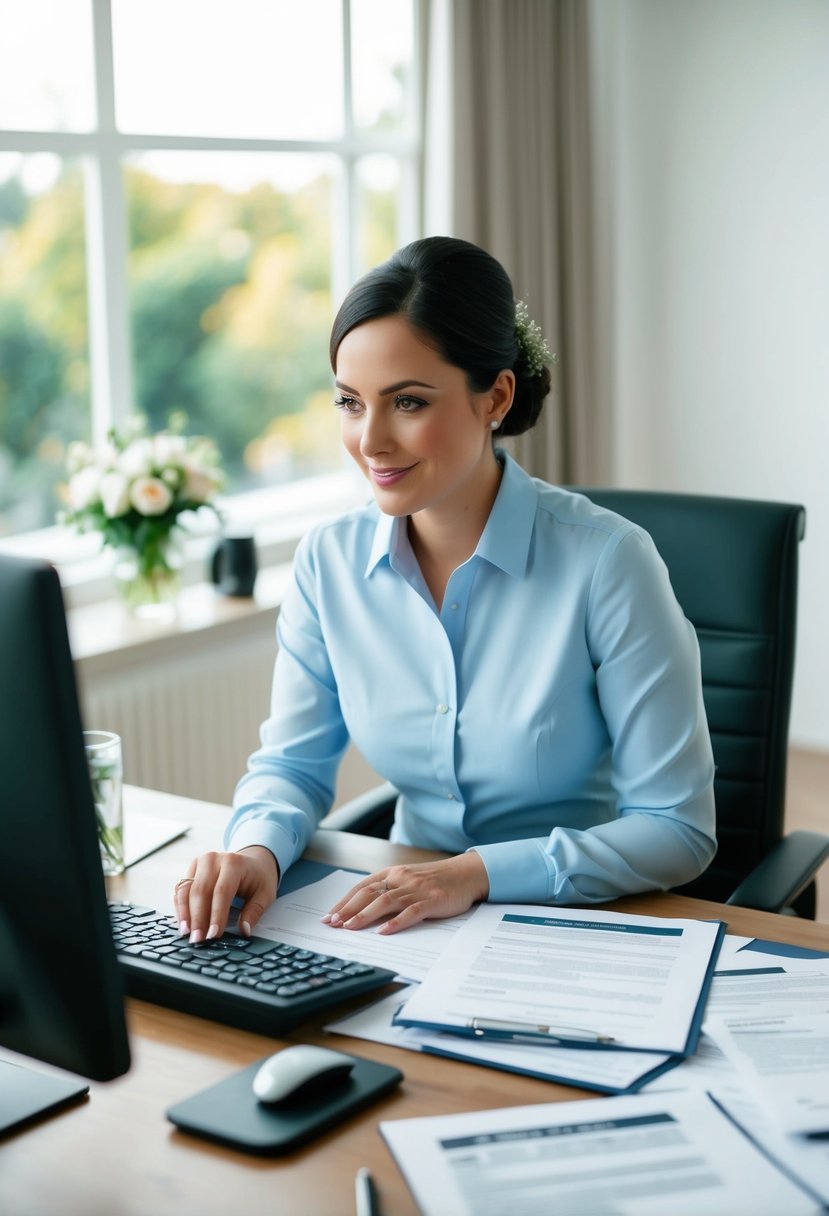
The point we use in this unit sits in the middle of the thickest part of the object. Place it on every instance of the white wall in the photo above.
(713, 165)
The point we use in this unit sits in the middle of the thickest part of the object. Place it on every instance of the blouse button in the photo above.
(442, 709)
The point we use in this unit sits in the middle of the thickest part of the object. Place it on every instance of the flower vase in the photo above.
(149, 580)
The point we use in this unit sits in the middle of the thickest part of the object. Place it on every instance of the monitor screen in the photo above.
(61, 992)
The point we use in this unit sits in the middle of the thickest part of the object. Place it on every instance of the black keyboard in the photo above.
(252, 983)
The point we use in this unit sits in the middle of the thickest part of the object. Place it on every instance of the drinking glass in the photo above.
(103, 756)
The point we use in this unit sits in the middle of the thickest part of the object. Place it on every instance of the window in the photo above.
(187, 188)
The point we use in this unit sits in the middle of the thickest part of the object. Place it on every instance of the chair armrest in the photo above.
(369, 814)
(781, 876)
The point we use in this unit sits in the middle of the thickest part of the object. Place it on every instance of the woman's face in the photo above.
(410, 422)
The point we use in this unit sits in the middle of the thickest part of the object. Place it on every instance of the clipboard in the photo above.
(457, 1053)
(487, 1025)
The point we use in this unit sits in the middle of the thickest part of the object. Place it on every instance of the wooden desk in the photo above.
(117, 1155)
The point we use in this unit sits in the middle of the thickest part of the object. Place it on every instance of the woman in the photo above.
(506, 653)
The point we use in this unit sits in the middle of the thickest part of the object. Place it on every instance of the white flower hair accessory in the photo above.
(531, 342)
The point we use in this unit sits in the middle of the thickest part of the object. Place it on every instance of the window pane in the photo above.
(255, 68)
(378, 186)
(46, 68)
(44, 364)
(382, 60)
(230, 285)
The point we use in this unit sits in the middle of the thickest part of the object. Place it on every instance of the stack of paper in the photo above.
(738, 1127)
(764, 1056)
(529, 989)
(562, 978)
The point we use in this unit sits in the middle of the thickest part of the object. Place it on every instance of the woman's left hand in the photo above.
(428, 890)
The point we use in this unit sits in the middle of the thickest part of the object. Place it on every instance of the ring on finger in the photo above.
(183, 882)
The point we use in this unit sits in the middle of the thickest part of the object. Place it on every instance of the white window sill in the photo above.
(106, 636)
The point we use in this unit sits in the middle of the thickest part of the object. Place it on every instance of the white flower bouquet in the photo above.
(133, 491)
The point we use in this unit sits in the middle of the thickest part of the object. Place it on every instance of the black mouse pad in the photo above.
(230, 1113)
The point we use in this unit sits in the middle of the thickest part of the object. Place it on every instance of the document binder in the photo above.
(588, 979)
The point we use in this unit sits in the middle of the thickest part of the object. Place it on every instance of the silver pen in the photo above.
(365, 1193)
(532, 1031)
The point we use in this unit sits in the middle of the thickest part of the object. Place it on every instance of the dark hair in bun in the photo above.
(461, 299)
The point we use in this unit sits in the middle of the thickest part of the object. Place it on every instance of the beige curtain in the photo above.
(521, 188)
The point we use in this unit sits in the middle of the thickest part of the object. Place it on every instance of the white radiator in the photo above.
(189, 720)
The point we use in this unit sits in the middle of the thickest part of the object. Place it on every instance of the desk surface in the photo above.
(117, 1155)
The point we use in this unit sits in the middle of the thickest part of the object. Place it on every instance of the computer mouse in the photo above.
(295, 1071)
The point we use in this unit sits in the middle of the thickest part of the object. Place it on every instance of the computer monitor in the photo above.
(61, 992)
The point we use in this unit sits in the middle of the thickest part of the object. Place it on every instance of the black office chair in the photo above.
(733, 566)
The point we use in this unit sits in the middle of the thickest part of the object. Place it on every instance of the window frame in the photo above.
(102, 152)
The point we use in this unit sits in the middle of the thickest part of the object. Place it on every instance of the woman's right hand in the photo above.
(203, 897)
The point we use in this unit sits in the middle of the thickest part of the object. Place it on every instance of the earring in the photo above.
(496, 422)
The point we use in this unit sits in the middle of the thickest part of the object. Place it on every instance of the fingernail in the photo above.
(212, 932)
(196, 936)
(327, 919)
(183, 929)
(335, 920)
(245, 928)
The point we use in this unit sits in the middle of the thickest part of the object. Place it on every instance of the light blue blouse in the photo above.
(549, 716)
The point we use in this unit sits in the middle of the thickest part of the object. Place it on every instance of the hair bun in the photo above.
(531, 389)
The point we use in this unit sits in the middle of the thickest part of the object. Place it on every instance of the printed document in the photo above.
(666, 1155)
(785, 983)
(784, 1058)
(571, 977)
(295, 918)
(713, 1071)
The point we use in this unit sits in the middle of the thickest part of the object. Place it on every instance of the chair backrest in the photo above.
(733, 567)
